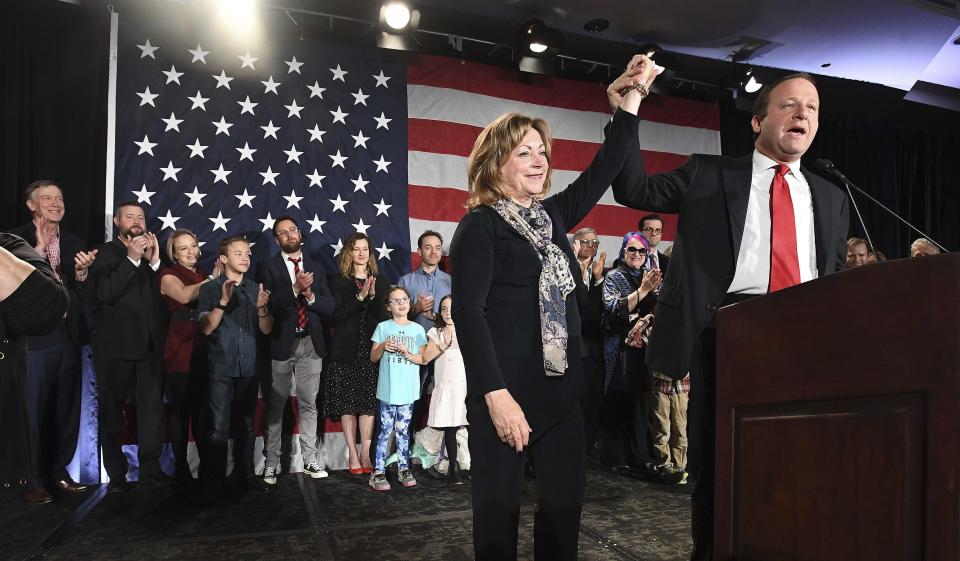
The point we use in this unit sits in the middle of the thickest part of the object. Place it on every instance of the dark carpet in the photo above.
(338, 518)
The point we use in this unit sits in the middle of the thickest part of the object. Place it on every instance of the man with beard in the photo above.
(129, 342)
(53, 359)
(301, 301)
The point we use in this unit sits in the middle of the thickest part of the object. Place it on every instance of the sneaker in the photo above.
(670, 475)
(379, 481)
(683, 480)
(314, 470)
(270, 475)
(406, 478)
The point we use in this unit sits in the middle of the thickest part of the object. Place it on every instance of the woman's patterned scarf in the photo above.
(556, 280)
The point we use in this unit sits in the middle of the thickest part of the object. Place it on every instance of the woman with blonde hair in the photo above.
(350, 393)
(518, 323)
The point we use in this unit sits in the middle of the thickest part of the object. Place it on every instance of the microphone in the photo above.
(826, 166)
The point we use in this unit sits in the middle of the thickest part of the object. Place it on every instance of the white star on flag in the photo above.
(220, 174)
(219, 223)
(339, 204)
(173, 123)
(316, 90)
(143, 196)
(196, 197)
(359, 184)
(315, 178)
(222, 126)
(338, 115)
(316, 133)
(382, 165)
(381, 80)
(382, 121)
(147, 50)
(246, 106)
(246, 199)
(293, 65)
(170, 172)
(223, 81)
(337, 246)
(384, 251)
(293, 155)
(196, 149)
(339, 74)
(247, 61)
(361, 227)
(292, 199)
(316, 225)
(145, 145)
(173, 75)
(267, 222)
(169, 221)
(338, 160)
(246, 153)
(359, 140)
(198, 54)
(293, 109)
(199, 101)
(269, 176)
(270, 130)
(382, 208)
(146, 98)
(360, 98)
(270, 86)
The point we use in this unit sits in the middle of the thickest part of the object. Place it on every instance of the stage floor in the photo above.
(337, 518)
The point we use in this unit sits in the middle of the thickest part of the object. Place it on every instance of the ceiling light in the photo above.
(751, 84)
(395, 15)
(398, 22)
(537, 47)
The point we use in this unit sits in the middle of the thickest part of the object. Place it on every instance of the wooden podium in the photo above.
(838, 418)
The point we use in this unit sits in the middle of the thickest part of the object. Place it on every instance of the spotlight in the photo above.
(398, 22)
(750, 83)
(538, 46)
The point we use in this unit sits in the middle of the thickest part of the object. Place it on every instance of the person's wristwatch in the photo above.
(220, 306)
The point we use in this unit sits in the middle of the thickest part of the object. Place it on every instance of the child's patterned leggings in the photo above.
(393, 418)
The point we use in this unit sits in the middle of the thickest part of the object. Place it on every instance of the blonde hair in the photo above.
(346, 255)
(172, 239)
(492, 149)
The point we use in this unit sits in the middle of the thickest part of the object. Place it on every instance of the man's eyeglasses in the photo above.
(402, 300)
(652, 230)
(637, 250)
(590, 243)
(287, 233)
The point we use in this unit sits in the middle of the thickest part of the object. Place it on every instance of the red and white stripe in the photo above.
(450, 101)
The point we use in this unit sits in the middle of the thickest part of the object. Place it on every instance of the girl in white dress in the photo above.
(448, 409)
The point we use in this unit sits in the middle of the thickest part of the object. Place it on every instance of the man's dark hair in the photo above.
(122, 204)
(281, 219)
(225, 244)
(38, 184)
(763, 99)
(648, 217)
(427, 234)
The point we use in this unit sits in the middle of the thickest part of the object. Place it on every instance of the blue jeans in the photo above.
(394, 418)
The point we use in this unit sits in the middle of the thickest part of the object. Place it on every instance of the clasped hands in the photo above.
(640, 73)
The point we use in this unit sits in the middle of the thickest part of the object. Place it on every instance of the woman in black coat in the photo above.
(350, 393)
(516, 314)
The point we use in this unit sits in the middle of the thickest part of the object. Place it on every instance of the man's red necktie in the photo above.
(784, 264)
(301, 300)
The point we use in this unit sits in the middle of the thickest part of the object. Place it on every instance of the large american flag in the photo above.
(223, 140)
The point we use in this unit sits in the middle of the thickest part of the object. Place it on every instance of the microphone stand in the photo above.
(829, 166)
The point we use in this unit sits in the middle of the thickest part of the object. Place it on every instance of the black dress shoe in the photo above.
(70, 486)
(38, 496)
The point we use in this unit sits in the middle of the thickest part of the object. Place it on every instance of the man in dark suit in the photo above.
(53, 359)
(129, 342)
(590, 300)
(299, 303)
(747, 226)
(652, 227)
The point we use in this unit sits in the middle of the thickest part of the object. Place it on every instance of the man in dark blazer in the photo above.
(53, 359)
(300, 301)
(652, 227)
(129, 342)
(731, 246)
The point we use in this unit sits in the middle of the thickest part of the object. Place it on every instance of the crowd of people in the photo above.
(545, 353)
